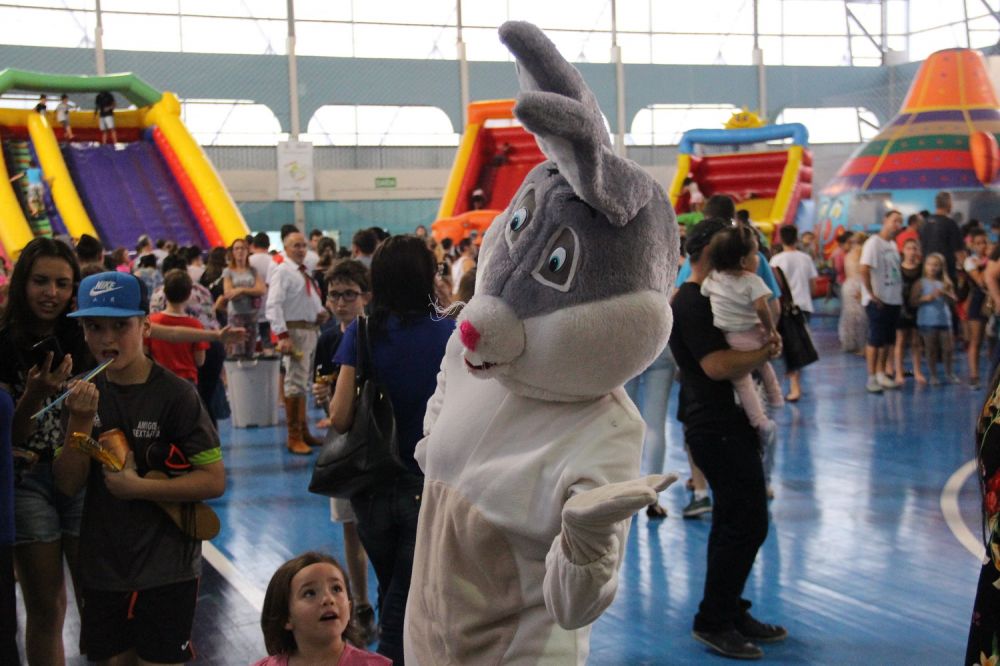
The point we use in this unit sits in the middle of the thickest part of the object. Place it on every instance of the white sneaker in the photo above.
(873, 385)
(886, 382)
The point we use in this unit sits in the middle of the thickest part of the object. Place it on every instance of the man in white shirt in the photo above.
(800, 274)
(295, 312)
(882, 298)
(312, 259)
(262, 263)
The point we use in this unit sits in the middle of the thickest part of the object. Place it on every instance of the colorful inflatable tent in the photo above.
(156, 181)
(943, 138)
(493, 158)
(772, 182)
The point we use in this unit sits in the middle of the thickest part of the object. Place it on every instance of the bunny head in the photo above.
(573, 277)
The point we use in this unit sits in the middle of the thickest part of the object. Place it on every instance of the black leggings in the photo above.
(735, 472)
(209, 374)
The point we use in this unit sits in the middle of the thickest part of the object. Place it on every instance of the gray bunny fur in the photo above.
(620, 224)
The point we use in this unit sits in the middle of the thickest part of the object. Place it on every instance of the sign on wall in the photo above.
(296, 181)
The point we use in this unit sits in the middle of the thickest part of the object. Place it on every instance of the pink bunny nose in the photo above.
(470, 336)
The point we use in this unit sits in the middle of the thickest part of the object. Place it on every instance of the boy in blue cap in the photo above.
(139, 572)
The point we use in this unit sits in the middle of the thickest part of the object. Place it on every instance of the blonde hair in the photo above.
(944, 269)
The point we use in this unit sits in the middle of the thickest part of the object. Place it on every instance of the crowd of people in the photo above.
(162, 320)
(923, 291)
(166, 317)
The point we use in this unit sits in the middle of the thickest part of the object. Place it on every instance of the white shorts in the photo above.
(106, 123)
(341, 511)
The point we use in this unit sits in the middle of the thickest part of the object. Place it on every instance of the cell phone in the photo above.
(41, 349)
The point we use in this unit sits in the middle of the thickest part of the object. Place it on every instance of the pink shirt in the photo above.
(352, 656)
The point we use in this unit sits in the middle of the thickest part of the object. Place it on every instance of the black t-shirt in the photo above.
(133, 545)
(326, 346)
(105, 103)
(706, 406)
(940, 233)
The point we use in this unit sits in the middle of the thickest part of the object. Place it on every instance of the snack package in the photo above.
(108, 451)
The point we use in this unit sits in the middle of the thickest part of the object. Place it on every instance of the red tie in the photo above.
(307, 278)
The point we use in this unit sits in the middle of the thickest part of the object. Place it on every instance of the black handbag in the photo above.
(367, 455)
(796, 343)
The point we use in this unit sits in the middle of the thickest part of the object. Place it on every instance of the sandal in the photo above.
(656, 512)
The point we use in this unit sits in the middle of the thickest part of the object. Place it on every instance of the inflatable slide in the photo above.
(771, 181)
(493, 158)
(156, 180)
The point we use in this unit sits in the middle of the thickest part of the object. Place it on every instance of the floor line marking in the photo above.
(952, 515)
(228, 570)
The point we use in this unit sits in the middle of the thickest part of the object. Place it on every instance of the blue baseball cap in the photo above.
(111, 294)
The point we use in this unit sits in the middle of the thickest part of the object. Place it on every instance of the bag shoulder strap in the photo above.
(365, 369)
(786, 296)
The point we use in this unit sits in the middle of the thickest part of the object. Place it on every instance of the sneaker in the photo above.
(697, 507)
(656, 511)
(365, 616)
(873, 385)
(729, 643)
(755, 630)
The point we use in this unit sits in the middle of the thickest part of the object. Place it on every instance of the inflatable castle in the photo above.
(155, 181)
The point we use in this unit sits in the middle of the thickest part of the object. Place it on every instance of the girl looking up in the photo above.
(307, 616)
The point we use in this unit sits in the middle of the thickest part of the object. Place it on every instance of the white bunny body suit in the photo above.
(499, 467)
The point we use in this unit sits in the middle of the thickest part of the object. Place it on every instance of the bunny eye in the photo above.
(559, 260)
(521, 217)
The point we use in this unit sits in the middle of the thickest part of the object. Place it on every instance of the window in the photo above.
(663, 124)
(339, 125)
(231, 122)
(834, 125)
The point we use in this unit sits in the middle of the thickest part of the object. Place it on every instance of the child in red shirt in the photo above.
(181, 358)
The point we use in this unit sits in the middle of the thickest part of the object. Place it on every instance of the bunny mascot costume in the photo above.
(533, 448)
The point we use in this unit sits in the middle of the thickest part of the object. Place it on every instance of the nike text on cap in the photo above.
(111, 294)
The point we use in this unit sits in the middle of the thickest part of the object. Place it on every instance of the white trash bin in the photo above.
(253, 391)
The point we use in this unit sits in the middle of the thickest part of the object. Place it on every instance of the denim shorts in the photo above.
(42, 514)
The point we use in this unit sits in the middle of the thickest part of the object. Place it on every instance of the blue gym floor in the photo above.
(861, 564)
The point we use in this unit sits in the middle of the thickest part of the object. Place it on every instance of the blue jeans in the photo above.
(650, 391)
(387, 525)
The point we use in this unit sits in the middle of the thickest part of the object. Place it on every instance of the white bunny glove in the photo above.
(591, 520)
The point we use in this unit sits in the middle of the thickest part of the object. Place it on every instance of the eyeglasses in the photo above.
(348, 296)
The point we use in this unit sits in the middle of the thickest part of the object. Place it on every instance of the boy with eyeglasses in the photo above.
(348, 290)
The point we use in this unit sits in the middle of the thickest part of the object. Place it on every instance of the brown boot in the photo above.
(295, 443)
(304, 420)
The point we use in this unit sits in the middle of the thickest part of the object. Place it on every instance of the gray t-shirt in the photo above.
(132, 544)
(242, 304)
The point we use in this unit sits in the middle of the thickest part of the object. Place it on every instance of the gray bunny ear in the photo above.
(556, 106)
